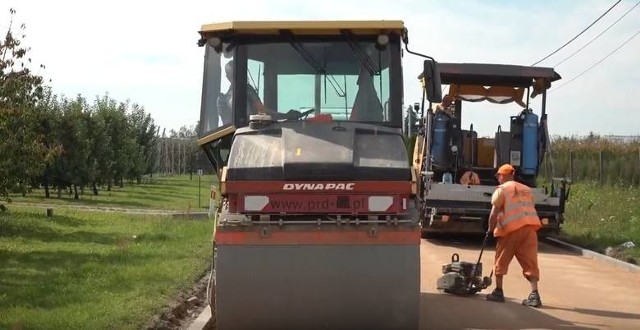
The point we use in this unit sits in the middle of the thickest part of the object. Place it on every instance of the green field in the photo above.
(170, 193)
(601, 216)
(95, 270)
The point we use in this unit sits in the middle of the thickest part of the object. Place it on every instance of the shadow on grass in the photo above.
(474, 312)
(473, 242)
(47, 279)
(33, 230)
(85, 201)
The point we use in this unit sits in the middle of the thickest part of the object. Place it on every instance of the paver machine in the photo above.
(458, 168)
(315, 220)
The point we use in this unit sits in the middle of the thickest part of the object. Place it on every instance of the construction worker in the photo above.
(254, 104)
(514, 222)
(470, 178)
(448, 102)
(225, 101)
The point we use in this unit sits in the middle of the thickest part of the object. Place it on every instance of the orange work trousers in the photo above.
(523, 244)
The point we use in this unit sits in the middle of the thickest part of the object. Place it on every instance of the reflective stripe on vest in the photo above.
(518, 210)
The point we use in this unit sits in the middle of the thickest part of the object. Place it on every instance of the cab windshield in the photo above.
(337, 80)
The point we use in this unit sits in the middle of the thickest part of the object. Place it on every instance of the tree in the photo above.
(190, 145)
(48, 118)
(75, 140)
(143, 130)
(99, 147)
(22, 151)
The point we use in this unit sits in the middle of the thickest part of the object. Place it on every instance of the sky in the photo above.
(146, 51)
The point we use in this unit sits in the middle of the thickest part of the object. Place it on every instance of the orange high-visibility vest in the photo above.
(518, 209)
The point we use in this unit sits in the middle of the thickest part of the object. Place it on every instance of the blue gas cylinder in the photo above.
(529, 143)
(440, 150)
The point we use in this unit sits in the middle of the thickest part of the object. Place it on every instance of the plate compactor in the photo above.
(462, 277)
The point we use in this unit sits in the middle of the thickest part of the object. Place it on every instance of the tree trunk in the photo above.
(46, 187)
(75, 190)
(109, 185)
(121, 182)
(70, 191)
(139, 180)
(59, 192)
(95, 189)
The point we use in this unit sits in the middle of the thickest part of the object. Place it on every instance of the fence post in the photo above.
(600, 166)
(571, 165)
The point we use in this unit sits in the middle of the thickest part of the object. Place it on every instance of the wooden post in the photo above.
(571, 165)
(600, 166)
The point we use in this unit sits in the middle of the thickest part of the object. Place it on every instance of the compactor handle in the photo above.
(455, 257)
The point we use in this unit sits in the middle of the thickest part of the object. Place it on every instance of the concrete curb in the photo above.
(595, 255)
(201, 321)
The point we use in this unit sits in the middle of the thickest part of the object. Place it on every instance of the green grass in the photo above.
(601, 216)
(85, 270)
(174, 193)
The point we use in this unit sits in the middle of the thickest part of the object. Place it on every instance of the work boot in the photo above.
(496, 295)
(533, 300)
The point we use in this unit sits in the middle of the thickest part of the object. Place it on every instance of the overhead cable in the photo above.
(594, 65)
(579, 34)
(598, 36)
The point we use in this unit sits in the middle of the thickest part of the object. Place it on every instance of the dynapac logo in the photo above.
(318, 186)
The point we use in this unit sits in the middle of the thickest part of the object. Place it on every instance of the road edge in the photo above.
(595, 255)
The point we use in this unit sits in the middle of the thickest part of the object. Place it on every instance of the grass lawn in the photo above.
(172, 192)
(86, 270)
(602, 216)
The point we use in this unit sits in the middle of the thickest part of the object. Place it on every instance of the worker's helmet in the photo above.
(506, 169)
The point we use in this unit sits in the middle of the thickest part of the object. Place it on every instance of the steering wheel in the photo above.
(297, 115)
(306, 114)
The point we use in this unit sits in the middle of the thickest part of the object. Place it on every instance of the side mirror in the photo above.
(431, 72)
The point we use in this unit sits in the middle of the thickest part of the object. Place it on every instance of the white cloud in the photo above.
(146, 51)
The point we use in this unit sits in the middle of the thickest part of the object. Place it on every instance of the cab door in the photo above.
(215, 129)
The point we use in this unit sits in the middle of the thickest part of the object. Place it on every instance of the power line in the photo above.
(583, 31)
(598, 36)
(594, 65)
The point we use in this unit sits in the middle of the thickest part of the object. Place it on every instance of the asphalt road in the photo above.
(577, 292)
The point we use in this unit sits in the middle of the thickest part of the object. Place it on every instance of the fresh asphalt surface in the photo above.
(578, 292)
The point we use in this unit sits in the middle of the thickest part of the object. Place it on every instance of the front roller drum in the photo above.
(318, 280)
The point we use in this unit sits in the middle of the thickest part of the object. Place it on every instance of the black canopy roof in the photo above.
(486, 74)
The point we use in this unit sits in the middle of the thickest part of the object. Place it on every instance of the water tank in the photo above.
(441, 137)
(529, 143)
